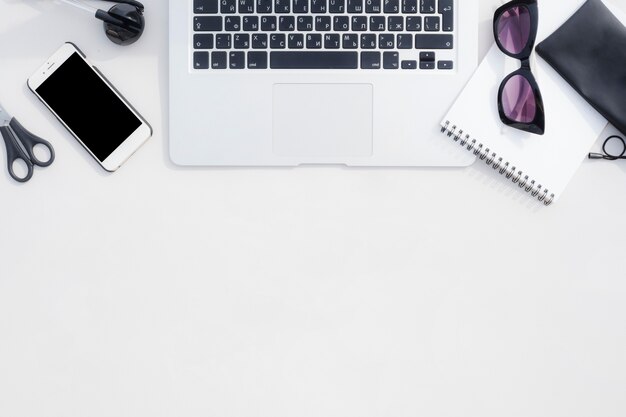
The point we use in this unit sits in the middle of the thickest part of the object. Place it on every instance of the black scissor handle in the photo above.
(30, 141)
(15, 153)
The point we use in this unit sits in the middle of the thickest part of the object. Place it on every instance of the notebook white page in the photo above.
(572, 125)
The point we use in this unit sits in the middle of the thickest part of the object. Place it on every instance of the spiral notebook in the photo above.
(540, 165)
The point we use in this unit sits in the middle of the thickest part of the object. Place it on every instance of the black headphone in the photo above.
(123, 23)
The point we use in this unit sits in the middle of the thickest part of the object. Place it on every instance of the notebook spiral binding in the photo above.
(503, 167)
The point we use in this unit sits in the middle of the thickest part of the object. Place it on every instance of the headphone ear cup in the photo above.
(126, 24)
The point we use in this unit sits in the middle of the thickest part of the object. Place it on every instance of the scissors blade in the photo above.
(5, 118)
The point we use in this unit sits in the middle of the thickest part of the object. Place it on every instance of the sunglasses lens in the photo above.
(518, 100)
(514, 29)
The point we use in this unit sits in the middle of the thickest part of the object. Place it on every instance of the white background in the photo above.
(317, 291)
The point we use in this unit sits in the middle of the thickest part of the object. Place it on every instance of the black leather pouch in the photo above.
(589, 52)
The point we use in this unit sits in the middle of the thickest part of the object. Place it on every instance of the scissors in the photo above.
(20, 144)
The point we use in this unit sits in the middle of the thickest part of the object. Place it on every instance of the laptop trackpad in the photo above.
(322, 120)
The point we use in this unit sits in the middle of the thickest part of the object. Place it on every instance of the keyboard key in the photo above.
(355, 6)
(336, 6)
(295, 41)
(445, 65)
(409, 64)
(286, 23)
(300, 6)
(409, 6)
(332, 41)
(281, 6)
(414, 24)
(205, 6)
(350, 41)
(201, 60)
(386, 41)
(268, 23)
(241, 41)
(257, 60)
(251, 23)
(228, 6)
(391, 6)
(427, 65)
(445, 5)
(305, 23)
(427, 6)
(314, 41)
(203, 41)
(370, 60)
(341, 23)
(322, 23)
(359, 23)
(259, 41)
(207, 23)
(368, 41)
(264, 6)
(431, 24)
(405, 41)
(237, 60)
(395, 23)
(314, 60)
(391, 60)
(218, 60)
(377, 23)
(277, 41)
(318, 6)
(372, 6)
(427, 56)
(433, 42)
(222, 41)
(246, 6)
(446, 8)
(232, 23)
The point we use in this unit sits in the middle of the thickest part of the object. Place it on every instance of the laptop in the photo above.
(294, 82)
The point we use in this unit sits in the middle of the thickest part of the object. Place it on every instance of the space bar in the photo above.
(314, 60)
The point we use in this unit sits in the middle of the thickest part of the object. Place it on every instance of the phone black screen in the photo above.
(88, 107)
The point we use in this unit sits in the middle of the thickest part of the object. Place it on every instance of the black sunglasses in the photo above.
(519, 100)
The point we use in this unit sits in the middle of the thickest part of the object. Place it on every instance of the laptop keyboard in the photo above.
(323, 34)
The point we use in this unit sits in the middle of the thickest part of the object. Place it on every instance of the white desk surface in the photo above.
(160, 291)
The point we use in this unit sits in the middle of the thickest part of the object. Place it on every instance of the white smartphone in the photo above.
(93, 111)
